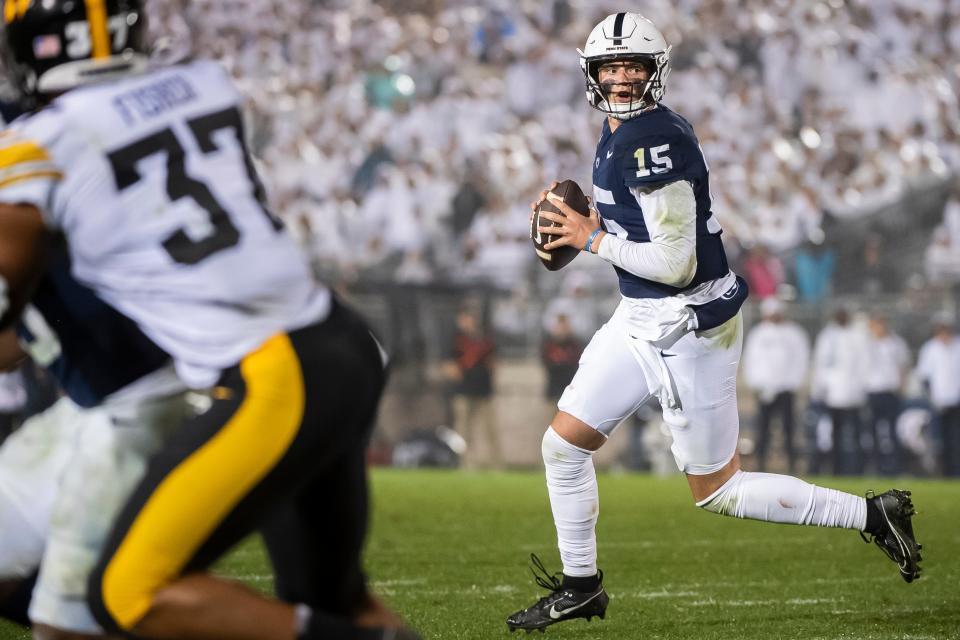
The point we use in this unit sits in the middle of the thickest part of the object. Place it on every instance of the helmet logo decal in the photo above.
(618, 29)
(47, 46)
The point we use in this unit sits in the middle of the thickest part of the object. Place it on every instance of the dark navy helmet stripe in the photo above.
(618, 28)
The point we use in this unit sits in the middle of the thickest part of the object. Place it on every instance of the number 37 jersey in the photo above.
(150, 181)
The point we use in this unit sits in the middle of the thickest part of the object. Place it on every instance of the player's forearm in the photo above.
(670, 216)
(23, 251)
(11, 353)
(671, 265)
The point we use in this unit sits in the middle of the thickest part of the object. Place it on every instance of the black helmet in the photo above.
(50, 46)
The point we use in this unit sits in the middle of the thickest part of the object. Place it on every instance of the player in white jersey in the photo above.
(676, 335)
(145, 172)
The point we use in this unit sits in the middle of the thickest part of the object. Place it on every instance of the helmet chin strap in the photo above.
(626, 110)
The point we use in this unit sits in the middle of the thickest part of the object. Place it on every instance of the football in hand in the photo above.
(571, 194)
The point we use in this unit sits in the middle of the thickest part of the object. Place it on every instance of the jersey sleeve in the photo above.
(657, 159)
(29, 174)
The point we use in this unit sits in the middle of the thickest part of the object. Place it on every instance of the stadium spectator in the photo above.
(467, 201)
(560, 354)
(938, 367)
(776, 357)
(574, 303)
(951, 214)
(814, 267)
(877, 273)
(498, 245)
(763, 271)
(470, 368)
(889, 362)
(840, 362)
(942, 257)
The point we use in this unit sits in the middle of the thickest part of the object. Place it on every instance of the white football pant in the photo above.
(613, 382)
(107, 460)
(32, 461)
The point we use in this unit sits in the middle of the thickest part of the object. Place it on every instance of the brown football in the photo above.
(570, 193)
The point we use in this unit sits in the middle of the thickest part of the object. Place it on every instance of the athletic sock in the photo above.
(14, 607)
(778, 498)
(584, 584)
(874, 518)
(572, 485)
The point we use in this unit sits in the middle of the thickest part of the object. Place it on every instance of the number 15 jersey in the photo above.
(150, 180)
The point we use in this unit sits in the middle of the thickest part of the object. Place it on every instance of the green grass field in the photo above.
(450, 551)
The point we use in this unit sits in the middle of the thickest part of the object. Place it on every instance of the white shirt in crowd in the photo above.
(889, 358)
(840, 363)
(939, 365)
(776, 357)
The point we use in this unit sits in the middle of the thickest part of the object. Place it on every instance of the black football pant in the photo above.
(847, 449)
(887, 453)
(280, 450)
(782, 406)
(950, 441)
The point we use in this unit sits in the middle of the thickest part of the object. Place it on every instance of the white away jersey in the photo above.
(150, 180)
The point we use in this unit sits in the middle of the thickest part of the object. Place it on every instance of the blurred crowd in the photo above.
(866, 403)
(404, 140)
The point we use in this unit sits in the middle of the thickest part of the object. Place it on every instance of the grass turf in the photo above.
(449, 550)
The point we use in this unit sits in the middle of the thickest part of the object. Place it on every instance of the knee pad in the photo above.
(557, 451)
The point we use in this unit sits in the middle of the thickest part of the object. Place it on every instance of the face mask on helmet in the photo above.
(56, 45)
(631, 39)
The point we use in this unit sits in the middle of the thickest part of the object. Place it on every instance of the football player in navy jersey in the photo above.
(65, 475)
(676, 335)
(70, 468)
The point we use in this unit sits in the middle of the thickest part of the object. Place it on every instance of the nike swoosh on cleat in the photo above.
(904, 551)
(556, 615)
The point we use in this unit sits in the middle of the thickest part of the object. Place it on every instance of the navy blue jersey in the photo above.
(652, 149)
(101, 350)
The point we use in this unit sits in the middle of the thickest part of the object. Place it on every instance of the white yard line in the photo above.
(398, 582)
(248, 577)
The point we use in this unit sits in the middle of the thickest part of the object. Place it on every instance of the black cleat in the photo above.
(896, 538)
(561, 604)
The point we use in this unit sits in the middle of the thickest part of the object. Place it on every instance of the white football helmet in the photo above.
(625, 36)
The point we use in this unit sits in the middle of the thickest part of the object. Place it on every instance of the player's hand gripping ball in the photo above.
(569, 193)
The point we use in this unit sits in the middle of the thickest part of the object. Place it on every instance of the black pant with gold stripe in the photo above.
(280, 450)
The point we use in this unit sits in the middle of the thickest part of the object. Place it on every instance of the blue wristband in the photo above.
(593, 236)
